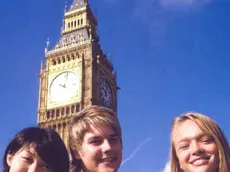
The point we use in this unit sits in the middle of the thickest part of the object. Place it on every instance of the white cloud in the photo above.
(167, 167)
(182, 3)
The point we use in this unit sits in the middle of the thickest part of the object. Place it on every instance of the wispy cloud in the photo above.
(178, 4)
(158, 15)
(136, 150)
(182, 3)
(151, 10)
(111, 1)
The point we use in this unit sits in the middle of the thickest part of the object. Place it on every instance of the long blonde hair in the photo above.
(207, 125)
(79, 126)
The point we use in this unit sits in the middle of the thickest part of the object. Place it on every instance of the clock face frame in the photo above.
(106, 95)
(64, 86)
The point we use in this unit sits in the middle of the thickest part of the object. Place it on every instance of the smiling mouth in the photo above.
(200, 161)
(108, 160)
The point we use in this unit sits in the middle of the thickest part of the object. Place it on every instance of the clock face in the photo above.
(106, 93)
(64, 86)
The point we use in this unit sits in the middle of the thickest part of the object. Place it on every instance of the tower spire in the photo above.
(47, 45)
(65, 6)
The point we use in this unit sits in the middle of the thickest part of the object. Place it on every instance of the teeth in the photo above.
(200, 162)
(107, 159)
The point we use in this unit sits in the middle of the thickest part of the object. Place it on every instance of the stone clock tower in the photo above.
(76, 73)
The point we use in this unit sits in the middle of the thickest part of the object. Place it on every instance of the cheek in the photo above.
(212, 149)
(183, 156)
(117, 147)
(90, 152)
(16, 165)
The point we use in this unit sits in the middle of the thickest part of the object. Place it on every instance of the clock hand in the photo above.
(66, 76)
(64, 85)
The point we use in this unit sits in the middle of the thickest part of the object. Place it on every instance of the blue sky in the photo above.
(171, 56)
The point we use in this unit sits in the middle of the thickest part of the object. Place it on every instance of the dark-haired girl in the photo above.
(36, 150)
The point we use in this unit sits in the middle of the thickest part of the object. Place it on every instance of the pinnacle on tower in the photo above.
(77, 4)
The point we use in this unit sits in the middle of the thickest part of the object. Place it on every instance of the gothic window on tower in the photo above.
(68, 58)
(75, 23)
(57, 113)
(81, 21)
(67, 110)
(73, 57)
(52, 113)
(59, 128)
(77, 55)
(63, 59)
(48, 114)
(62, 111)
(72, 109)
(53, 62)
(59, 61)
(77, 107)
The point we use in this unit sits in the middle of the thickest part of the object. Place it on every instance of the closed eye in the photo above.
(207, 139)
(183, 146)
(27, 159)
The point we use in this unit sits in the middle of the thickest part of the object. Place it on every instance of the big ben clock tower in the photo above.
(76, 73)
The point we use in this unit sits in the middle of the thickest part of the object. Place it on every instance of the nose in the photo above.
(106, 146)
(196, 149)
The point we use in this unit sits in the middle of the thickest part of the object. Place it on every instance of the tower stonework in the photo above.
(76, 73)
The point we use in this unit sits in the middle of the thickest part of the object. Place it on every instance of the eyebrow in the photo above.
(198, 136)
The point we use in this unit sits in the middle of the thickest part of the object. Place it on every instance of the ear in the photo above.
(9, 159)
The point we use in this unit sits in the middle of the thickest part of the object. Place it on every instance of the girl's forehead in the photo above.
(29, 147)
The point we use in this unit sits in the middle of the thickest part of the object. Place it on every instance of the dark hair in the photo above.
(48, 145)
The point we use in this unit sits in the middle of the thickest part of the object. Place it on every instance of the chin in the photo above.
(202, 169)
(108, 169)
